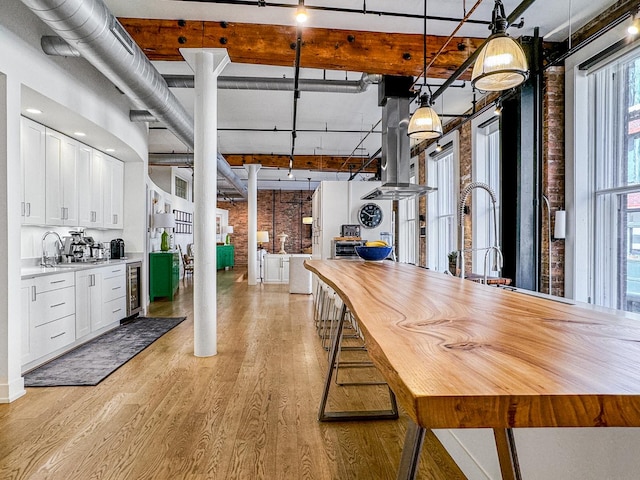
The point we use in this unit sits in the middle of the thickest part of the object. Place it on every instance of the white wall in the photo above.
(72, 85)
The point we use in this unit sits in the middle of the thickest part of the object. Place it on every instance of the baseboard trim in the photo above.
(10, 392)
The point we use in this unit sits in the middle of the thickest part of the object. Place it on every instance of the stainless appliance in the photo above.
(345, 248)
(350, 230)
(134, 288)
(77, 247)
(117, 248)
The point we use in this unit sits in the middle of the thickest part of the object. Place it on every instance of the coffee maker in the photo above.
(117, 248)
(76, 247)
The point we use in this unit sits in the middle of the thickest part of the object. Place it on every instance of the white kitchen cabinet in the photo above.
(32, 156)
(88, 301)
(113, 181)
(48, 315)
(90, 187)
(276, 268)
(114, 292)
(61, 205)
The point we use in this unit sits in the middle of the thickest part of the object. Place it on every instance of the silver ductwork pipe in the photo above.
(185, 160)
(283, 84)
(89, 27)
(171, 159)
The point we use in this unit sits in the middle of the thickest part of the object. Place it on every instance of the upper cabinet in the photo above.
(61, 178)
(113, 181)
(91, 188)
(65, 182)
(32, 146)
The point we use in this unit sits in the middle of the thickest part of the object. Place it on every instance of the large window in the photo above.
(181, 187)
(615, 163)
(486, 169)
(407, 212)
(442, 172)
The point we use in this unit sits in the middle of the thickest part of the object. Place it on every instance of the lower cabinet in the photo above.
(276, 268)
(48, 318)
(225, 256)
(164, 274)
(100, 298)
(62, 311)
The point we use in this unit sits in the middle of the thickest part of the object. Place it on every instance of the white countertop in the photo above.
(32, 271)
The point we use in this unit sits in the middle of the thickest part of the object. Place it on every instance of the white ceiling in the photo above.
(356, 113)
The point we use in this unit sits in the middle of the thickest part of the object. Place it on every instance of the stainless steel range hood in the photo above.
(396, 151)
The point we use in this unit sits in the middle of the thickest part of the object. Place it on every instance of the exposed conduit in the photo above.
(91, 28)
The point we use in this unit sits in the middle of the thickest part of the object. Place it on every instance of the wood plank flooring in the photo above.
(247, 413)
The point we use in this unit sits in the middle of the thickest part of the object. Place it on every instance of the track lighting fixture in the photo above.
(301, 13)
(501, 64)
(634, 28)
(498, 109)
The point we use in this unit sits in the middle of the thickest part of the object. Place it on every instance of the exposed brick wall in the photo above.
(278, 211)
(466, 179)
(422, 209)
(553, 174)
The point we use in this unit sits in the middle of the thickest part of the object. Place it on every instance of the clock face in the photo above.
(370, 215)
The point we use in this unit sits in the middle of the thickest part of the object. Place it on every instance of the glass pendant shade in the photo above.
(500, 66)
(425, 122)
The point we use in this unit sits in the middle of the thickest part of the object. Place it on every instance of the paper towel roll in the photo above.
(561, 224)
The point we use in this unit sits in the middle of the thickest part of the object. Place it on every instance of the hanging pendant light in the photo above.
(425, 122)
(502, 63)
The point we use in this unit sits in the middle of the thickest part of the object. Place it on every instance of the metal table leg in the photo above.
(341, 416)
(507, 454)
(411, 451)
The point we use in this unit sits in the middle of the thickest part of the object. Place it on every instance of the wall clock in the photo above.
(370, 215)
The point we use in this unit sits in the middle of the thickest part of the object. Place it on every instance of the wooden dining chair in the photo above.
(187, 263)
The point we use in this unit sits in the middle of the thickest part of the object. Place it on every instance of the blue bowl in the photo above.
(373, 254)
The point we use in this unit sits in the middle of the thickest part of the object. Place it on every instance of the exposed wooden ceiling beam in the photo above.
(300, 162)
(344, 50)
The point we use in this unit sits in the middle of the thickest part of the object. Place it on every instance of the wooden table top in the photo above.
(459, 354)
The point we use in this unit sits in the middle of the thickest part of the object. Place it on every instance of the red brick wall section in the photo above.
(465, 179)
(422, 209)
(278, 211)
(553, 175)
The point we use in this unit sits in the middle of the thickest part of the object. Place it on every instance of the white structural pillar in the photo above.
(252, 223)
(207, 64)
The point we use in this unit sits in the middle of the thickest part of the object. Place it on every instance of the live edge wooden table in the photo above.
(458, 354)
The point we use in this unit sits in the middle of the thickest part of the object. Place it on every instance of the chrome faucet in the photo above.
(464, 195)
(45, 259)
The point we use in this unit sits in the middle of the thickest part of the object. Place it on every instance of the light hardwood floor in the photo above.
(247, 413)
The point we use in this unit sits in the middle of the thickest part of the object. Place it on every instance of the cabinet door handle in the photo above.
(33, 293)
(57, 281)
(115, 219)
(115, 271)
(57, 305)
(66, 213)
(62, 213)
(22, 209)
(58, 335)
(116, 311)
(28, 209)
(116, 288)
